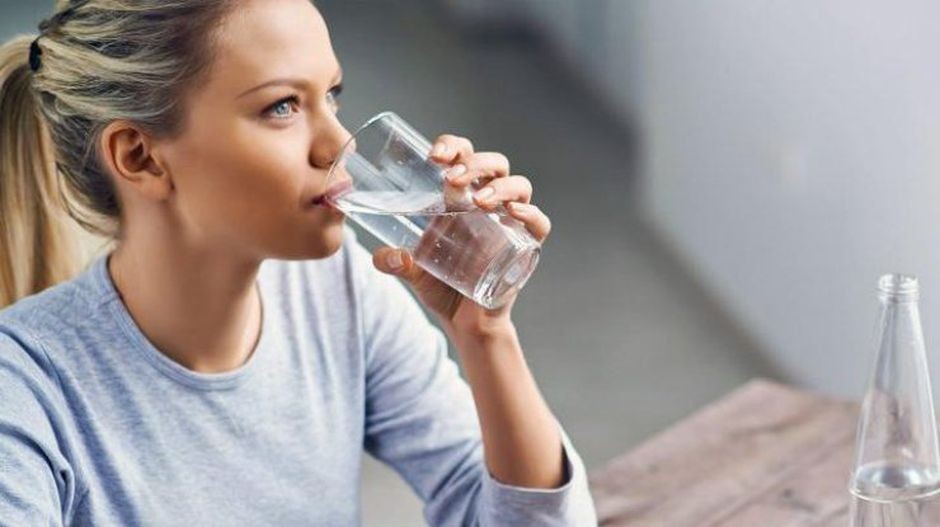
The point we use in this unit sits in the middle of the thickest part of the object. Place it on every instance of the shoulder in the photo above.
(67, 302)
(61, 302)
(36, 425)
(63, 312)
(28, 376)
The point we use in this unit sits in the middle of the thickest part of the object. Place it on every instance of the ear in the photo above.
(129, 153)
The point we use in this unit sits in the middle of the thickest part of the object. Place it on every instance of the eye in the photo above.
(282, 109)
(333, 95)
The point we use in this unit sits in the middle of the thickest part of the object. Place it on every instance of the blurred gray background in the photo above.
(727, 180)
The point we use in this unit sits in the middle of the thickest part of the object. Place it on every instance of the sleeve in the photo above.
(421, 420)
(37, 484)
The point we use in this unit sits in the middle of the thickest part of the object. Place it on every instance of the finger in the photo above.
(512, 188)
(482, 166)
(533, 218)
(397, 262)
(450, 149)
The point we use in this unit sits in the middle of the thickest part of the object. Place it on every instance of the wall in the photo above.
(791, 155)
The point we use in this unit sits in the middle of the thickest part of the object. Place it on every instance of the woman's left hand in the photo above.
(495, 186)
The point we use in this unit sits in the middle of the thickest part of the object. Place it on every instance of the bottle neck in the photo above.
(898, 289)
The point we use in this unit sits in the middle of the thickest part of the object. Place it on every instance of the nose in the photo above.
(328, 143)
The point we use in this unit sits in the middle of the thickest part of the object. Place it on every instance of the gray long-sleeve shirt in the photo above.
(97, 427)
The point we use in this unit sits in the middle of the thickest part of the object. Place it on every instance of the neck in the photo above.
(199, 307)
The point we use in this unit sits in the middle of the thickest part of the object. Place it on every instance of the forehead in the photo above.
(267, 38)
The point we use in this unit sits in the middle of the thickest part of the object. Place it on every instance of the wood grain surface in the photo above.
(765, 455)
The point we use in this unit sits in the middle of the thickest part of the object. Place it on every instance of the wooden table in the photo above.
(765, 455)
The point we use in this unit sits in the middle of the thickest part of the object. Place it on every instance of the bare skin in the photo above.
(203, 209)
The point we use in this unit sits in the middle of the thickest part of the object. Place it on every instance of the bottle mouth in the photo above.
(898, 287)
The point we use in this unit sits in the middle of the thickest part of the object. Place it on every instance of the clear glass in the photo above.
(910, 513)
(897, 458)
(384, 181)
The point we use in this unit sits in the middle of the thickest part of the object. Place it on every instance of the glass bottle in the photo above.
(897, 460)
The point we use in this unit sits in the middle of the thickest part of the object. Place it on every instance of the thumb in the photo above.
(397, 262)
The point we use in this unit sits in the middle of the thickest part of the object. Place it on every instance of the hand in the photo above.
(488, 174)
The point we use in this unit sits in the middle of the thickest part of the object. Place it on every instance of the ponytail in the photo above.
(38, 245)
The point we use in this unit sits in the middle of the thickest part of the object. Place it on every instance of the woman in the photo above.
(229, 359)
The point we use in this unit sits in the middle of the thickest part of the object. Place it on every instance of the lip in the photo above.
(333, 193)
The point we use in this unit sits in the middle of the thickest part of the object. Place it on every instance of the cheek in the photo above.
(269, 163)
(247, 185)
(246, 172)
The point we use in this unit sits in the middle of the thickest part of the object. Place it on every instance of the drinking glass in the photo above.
(386, 182)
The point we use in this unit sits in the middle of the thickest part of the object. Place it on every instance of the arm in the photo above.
(37, 484)
(522, 442)
(422, 421)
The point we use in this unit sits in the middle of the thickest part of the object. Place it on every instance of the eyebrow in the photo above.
(293, 81)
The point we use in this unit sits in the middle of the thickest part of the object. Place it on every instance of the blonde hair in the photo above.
(98, 61)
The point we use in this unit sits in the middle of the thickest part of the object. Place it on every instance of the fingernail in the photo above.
(521, 208)
(394, 260)
(439, 149)
(484, 194)
(456, 171)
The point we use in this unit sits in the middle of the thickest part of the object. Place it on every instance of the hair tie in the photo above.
(55, 22)
(34, 53)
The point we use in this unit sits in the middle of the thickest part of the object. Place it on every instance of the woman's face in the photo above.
(260, 135)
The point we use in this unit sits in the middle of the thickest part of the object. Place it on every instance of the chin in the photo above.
(323, 244)
(332, 241)
(310, 242)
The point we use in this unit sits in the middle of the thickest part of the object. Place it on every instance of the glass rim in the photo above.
(344, 151)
